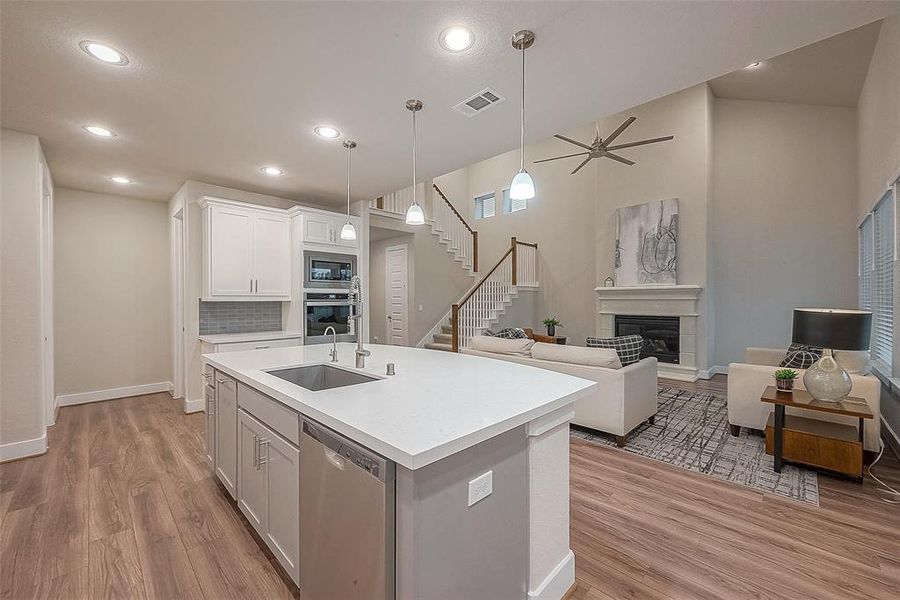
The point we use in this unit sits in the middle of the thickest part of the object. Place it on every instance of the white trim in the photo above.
(15, 450)
(193, 406)
(111, 394)
(177, 286)
(558, 582)
(558, 417)
(713, 370)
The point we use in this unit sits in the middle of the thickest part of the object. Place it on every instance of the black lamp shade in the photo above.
(832, 328)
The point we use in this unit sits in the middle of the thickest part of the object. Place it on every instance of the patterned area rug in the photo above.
(691, 431)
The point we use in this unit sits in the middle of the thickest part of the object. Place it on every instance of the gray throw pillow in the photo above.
(628, 347)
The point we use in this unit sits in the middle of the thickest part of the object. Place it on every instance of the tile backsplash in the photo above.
(239, 317)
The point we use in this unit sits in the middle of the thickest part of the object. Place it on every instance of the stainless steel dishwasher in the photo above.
(346, 519)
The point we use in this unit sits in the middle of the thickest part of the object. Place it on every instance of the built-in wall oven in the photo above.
(327, 269)
(328, 309)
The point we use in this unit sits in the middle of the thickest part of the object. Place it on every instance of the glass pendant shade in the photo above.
(415, 215)
(348, 231)
(522, 186)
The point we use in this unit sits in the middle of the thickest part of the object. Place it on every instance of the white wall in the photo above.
(785, 227)
(21, 406)
(112, 287)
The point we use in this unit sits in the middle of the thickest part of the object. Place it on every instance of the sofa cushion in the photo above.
(510, 333)
(486, 343)
(856, 363)
(628, 347)
(799, 356)
(577, 355)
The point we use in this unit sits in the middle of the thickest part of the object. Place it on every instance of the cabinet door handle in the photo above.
(261, 461)
(223, 381)
(251, 286)
(261, 347)
(256, 451)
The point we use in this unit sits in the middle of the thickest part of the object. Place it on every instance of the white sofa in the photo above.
(747, 380)
(625, 399)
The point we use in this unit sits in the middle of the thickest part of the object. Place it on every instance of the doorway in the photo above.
(396, 261)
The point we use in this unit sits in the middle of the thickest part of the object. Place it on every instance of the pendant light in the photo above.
(348, 231)
(522, 186)
(415, 215)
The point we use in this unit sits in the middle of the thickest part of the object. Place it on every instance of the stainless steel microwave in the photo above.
(327, 270)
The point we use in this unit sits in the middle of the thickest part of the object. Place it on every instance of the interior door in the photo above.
(272, 255)
(230, 252)
(251, 496)
(282, 468)
(397, 265)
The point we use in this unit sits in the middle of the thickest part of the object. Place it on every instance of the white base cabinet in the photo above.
(226, 432)
(269, 489)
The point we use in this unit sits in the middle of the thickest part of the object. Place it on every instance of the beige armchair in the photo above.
(747, 380)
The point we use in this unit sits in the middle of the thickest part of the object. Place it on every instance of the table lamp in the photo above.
(830, 329)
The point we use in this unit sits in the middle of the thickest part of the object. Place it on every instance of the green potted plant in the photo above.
(551, 323)
(784, 379)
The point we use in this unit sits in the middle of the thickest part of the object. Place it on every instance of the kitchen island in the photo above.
(464, 460)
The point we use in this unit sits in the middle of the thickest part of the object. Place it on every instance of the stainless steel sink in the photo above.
(320, 377)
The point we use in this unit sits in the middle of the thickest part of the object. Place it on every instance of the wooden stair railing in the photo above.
(518, 265)
(456, 226)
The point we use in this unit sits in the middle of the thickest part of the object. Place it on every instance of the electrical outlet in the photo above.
(481, 487)
(421, 308)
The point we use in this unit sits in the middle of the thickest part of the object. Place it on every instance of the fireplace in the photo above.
(661, 335)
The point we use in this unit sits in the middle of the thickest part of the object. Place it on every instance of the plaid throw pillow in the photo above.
(800, 356)
(628, 347)
(510, 333)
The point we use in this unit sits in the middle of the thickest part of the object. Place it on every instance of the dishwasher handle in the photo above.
(374, 465)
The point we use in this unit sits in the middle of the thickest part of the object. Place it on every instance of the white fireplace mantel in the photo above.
(661, 301)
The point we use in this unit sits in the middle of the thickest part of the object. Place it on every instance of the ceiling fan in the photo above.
(600, 148)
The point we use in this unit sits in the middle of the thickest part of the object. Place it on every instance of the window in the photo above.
(511, 206)
(876, 278)
(485, 206)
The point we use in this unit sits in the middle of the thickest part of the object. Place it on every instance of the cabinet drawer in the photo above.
(258, 345)
(280, 419)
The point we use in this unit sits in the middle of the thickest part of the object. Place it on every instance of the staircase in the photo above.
(446, 223)
(487, 300)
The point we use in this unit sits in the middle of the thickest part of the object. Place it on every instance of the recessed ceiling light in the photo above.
(120, 179)
(457, 39)
(99, 131)
(327, 131)
(753, 65)
(103, 52)
(272, 171)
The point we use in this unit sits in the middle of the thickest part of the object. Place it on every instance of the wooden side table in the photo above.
(550, 339)
(835, 447)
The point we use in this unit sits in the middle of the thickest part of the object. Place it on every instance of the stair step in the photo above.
(448, 329)
(443, 347)
(443, 338)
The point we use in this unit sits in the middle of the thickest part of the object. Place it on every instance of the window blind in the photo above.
(883, 281)
(485, 206)
(866, 264)
(510, 205)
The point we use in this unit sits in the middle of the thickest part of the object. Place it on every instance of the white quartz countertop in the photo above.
(437, 404)
(254, 336)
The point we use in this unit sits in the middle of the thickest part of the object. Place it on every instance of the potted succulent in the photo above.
(784, 379)
(551, 323)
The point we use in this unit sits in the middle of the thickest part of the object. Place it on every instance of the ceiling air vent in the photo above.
(479, 102)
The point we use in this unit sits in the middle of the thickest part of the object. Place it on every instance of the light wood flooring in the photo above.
(123, 506)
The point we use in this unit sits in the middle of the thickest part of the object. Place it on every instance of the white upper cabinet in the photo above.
(326, 230)
(246, 252)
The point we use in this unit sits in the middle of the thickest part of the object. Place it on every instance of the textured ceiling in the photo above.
(215, 90)
(830, 72)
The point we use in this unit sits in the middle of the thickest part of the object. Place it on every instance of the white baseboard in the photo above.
(24, 448)
(714, 370)
(123, 392)
(893, 441)
(192, 406)
(557, 583)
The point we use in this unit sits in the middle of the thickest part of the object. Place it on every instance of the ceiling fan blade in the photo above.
(559, 157)
(641, 143)
(621, 128)
(571, 141)
(578, 168)
(621, 159)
